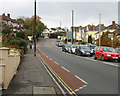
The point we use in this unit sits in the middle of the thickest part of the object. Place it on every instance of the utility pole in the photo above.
(99, 27)
(72, 24)
(34, 36)
(60, 24)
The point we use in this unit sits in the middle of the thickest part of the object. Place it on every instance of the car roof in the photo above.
(105, 47)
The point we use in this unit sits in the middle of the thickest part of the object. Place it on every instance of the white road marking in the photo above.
(80, 88)
(116, 65)
(65, 69)
(50, 59)
(63, 92)
(92, 59)
(56, 63)
(81, 79)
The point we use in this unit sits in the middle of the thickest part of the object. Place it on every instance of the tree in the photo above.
(20, 20)
(104, 40)
(29, 24)
(90, 39)
(116, 42)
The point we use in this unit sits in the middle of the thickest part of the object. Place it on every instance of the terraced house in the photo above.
(82, 33)
(112, 29)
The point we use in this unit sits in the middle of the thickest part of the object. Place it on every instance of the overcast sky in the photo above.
(56, 11)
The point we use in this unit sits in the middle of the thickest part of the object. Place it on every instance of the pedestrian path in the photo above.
(31, 73)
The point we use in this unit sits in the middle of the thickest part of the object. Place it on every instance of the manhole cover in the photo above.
(43, 90)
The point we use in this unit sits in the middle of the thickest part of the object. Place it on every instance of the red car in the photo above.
(106, 53)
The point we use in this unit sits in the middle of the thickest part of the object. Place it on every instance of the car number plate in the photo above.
(115, 57)
(87, 53)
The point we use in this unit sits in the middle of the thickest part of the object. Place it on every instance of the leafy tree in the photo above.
(104, 40)
(20, 20)
(116, 42)
(29, 24)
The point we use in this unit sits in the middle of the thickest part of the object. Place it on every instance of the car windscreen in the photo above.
(67, 46)
(60, 43)
(84, 47)
(74, 46)
(93, 47)
(118, 49)
(109, 50)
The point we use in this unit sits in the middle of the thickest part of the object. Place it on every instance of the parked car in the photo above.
(60, 44)
(106, 53)
(92, 48)
(66, 47)
(58, 40)
(118, 50)
(72, 48)
(83, 50)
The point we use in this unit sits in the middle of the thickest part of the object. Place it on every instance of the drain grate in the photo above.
(44, 90)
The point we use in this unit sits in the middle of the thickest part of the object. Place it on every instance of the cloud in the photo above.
(53, 12)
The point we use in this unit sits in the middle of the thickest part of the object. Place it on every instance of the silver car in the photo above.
(72, 49)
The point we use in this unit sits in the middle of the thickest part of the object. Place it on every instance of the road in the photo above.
(102, 77)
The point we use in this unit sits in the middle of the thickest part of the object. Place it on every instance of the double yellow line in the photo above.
(70, 91)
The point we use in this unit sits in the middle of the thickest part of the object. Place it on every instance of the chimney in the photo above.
(113, 24)
(102, 24)
(85, 27)
(93, 27)
(3, 14)
(8, 15)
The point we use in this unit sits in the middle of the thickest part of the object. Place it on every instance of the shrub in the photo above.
(14, 42)
(6, 31)
(53, 35)
(23, 45)
(20, 35)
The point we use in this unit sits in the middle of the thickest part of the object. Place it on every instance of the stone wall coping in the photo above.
(4, 48)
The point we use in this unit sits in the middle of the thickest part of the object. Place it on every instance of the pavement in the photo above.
(31, 75)
(101, 76)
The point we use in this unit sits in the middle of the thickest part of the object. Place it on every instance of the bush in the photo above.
(53, 35)
(6, 31)
(20, 35)
(14, 42)
(23, 45)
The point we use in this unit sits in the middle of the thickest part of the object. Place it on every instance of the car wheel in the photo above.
(78, 53)
(95, 57)
(75, 53)
(102, 58)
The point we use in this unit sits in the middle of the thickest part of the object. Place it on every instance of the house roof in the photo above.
(6, 18)
(14, 21)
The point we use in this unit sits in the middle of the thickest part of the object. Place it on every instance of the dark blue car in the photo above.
(83, 50)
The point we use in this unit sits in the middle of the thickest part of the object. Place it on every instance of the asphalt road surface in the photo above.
(101, 76)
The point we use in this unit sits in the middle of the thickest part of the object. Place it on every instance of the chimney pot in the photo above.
(8, 15)
(113, 24)
(93, 27)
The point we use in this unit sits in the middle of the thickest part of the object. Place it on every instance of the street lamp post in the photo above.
(99, 27)
(72, 24)
(34, 36)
